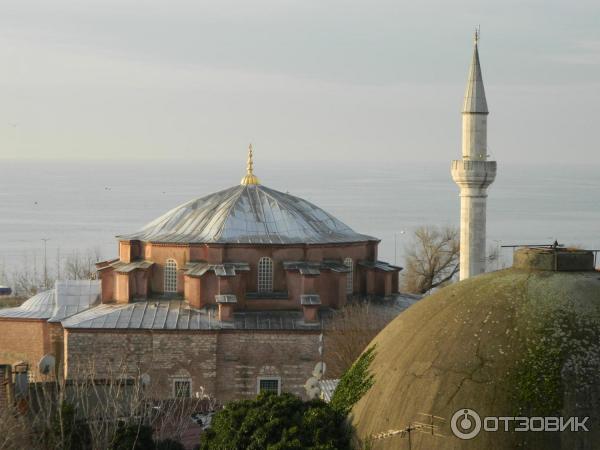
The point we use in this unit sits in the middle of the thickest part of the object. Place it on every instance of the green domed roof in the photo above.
(517, 342)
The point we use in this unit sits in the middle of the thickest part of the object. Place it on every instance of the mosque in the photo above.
(227, 292)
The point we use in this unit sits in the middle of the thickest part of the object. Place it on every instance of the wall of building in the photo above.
(202, 293)
(226, 363)
(24, 340)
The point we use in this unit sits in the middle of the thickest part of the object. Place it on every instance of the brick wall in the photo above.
(5, 384)
(24, 340)
(226, 363)
(243, 356)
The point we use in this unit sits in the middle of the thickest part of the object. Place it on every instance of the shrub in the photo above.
(277, 422)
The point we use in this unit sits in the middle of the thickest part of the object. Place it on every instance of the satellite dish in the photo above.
(319, 370)
(313, 393)
(311, 383)
(145, 379)
(47, 364)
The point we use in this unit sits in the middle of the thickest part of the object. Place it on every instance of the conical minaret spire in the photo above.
(473, 173)
(475, 101)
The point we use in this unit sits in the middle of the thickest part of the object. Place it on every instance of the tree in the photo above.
(277, 422)
(432, 259)
(349, 332)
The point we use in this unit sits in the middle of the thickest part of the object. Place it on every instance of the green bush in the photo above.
(277, 422)
(133, 437)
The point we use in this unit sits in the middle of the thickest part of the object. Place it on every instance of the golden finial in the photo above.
(250, 178)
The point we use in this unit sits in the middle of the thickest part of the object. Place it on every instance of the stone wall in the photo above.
(225, 363)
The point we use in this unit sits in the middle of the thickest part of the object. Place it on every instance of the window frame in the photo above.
(170, 276)
(349, 263)
(265, 275)
(180, 380)
(268, 378)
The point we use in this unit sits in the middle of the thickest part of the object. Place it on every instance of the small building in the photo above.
(226, 292)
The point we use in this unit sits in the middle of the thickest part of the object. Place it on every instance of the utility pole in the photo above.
(45, 240)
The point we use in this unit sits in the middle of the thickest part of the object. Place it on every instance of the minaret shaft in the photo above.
(473, 174)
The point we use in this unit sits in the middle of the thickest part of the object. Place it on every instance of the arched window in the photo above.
(349, 276)
(171, 276)
(265, 274)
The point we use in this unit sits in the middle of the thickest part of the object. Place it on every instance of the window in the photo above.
(269, 385)
(265, 274)
(182, 388)
(170, 276)
(349, 276)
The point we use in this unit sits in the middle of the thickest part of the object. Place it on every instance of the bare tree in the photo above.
(432, 259)
(82, 266)
(101, 407)
(349, 332)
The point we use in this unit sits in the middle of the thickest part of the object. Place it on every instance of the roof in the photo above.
(179, 315)
(130, 267)
(328, 388)
(67, 298)
(315, 267)
(197, 269)
(379, 265)
(484, 343)
(475, 101)
(248, 214)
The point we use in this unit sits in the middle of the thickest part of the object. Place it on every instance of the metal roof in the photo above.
(197, 269)
(247, 214)
(67, 298)
(130, 267)
(379, 265)
(315, 267)
(226, 298)
(475, 101)
(179, 315)
(310, 299)
(328, 388)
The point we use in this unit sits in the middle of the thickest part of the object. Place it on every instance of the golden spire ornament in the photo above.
(250, 178)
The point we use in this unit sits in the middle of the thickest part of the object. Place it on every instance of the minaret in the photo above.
(473, 173)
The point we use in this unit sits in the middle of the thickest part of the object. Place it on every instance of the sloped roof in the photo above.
(67, 298)
(247, 214)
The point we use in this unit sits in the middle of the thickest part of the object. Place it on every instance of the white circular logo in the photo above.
(465, 424)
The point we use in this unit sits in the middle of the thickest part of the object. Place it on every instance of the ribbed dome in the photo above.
(248, 214)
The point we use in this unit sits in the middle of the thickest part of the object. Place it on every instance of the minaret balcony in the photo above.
(473, 175)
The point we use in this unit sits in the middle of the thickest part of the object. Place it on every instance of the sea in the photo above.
(59, 208)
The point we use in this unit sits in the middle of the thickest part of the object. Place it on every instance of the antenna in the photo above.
(427, 428)
(477, 34)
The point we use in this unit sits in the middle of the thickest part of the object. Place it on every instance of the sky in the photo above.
(329, 80)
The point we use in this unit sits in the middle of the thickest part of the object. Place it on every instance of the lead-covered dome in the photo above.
(248, 214)
(520, 342)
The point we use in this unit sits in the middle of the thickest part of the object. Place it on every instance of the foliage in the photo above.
(563, 360)
(133, 437)
(432, 259)
(354, 383)
(169, 444)
(66, 431)
(277, 422)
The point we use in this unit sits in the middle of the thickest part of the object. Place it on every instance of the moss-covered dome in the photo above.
(524, 341)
